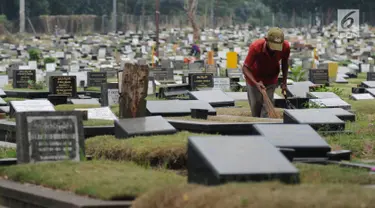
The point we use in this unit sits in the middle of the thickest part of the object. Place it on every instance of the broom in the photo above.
(269, 105)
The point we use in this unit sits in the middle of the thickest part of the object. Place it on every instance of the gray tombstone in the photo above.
(214, 160)
(177, 107)
(145, 126)
(216, 98)
(109, 94)
(49, 136)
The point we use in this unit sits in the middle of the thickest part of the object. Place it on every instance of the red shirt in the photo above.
(264, 67)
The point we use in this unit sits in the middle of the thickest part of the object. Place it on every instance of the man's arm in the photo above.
(249, 61)
(285, 66)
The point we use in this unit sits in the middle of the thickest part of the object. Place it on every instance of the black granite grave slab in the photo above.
(215, 160)
(201, 80)
(216, 98)
(370, 76)
(365, 96)
(49, 136)
(176, 107)
(27, 94)
(173, 90)
(332, 119)
(63, 85)
(319, 76)
(298, 103)
(2, 93)
(239, 129)
(84, 101)
(21, 78)
(359, 90)
(299, 89)
(109, 94)
(58, 99)
(302, 138)
(143, 126)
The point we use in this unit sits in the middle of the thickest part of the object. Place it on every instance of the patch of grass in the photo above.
(161, 150)
(100, 179)
(257, 195)
(70, 107)
(7, 153)
(8, 99)
(10, 88)
(93, 89)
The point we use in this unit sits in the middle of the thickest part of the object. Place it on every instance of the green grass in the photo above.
(8, 99)
(10, 88)
(7, 153)
(100, 179)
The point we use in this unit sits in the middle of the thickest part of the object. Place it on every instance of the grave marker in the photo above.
(63, 85)
(30, 105)
(232, 60)
(96, 79)
(319, 76)
(201, 80)
(222, 83)
(370, 76)
(104, 113)
(21, 78)
(49, 136)
(109, 94)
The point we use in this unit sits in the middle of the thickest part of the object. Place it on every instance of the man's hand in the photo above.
(260, 86)
(283, 88)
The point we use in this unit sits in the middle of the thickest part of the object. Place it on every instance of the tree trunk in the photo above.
(191, 9)
(133, 90)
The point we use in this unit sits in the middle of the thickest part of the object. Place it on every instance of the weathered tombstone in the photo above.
(214, 160)
(222, 83)
(4, 80)
(91, 101)
(96, 79)
(201, 80)
(49, 136)
(319, 76)
(50, 67)
(63, 85)
(21, 78)
(109, 94)
(133, 91)
(161, 74)
(145, 126)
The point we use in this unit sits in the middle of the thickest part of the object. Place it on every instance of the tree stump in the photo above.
(133, 86)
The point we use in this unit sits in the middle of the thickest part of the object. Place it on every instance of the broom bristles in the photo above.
(269, 105)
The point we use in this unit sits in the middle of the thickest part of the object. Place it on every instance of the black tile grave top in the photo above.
(291, 135)
(177, 107)
(238, 96)
(365, 96)
(213, 97)
(2, 93)
(142, 126)
(85, 101)
(331, 103)
(241, 155)
(329, 115)
(298, 90)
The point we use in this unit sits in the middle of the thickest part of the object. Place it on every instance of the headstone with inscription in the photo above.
(222, 83)
(49, 136)
(63, 85)
(319, 76)
(96, 79)
(109, 94)
(201, 80)
(370, 76)
(104, 113)
(21, 78)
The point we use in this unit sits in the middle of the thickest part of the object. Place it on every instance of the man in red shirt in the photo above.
(262, 69)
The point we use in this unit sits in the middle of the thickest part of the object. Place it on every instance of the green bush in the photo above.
(49, 60)
(36, 85)
(298, 74)
(35, 55)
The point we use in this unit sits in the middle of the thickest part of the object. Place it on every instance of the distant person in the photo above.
(195, 51)
(262, 68)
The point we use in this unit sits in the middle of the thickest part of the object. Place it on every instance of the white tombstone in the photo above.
(4, 80)
(103, 113)
(80, 76)
(32, 105)
(33, 65)
(50, 67)
(222, 83)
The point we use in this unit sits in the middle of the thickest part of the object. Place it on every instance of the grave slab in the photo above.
(237, 96)
(216, 98)
(368, 84)
(177, 107)
(371, 91)
(341, 80)
(91, 101)
(330, 119)
(366, 96)
(331, 103)
(306, 142)
(321, 95)
(143, 126)
(214, 160)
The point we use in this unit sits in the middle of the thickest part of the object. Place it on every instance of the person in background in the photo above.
(262, 68)
(195, 51)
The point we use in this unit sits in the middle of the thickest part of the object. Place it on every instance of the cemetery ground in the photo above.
(153, 169)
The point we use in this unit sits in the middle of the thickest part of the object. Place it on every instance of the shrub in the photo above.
(35, 55)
